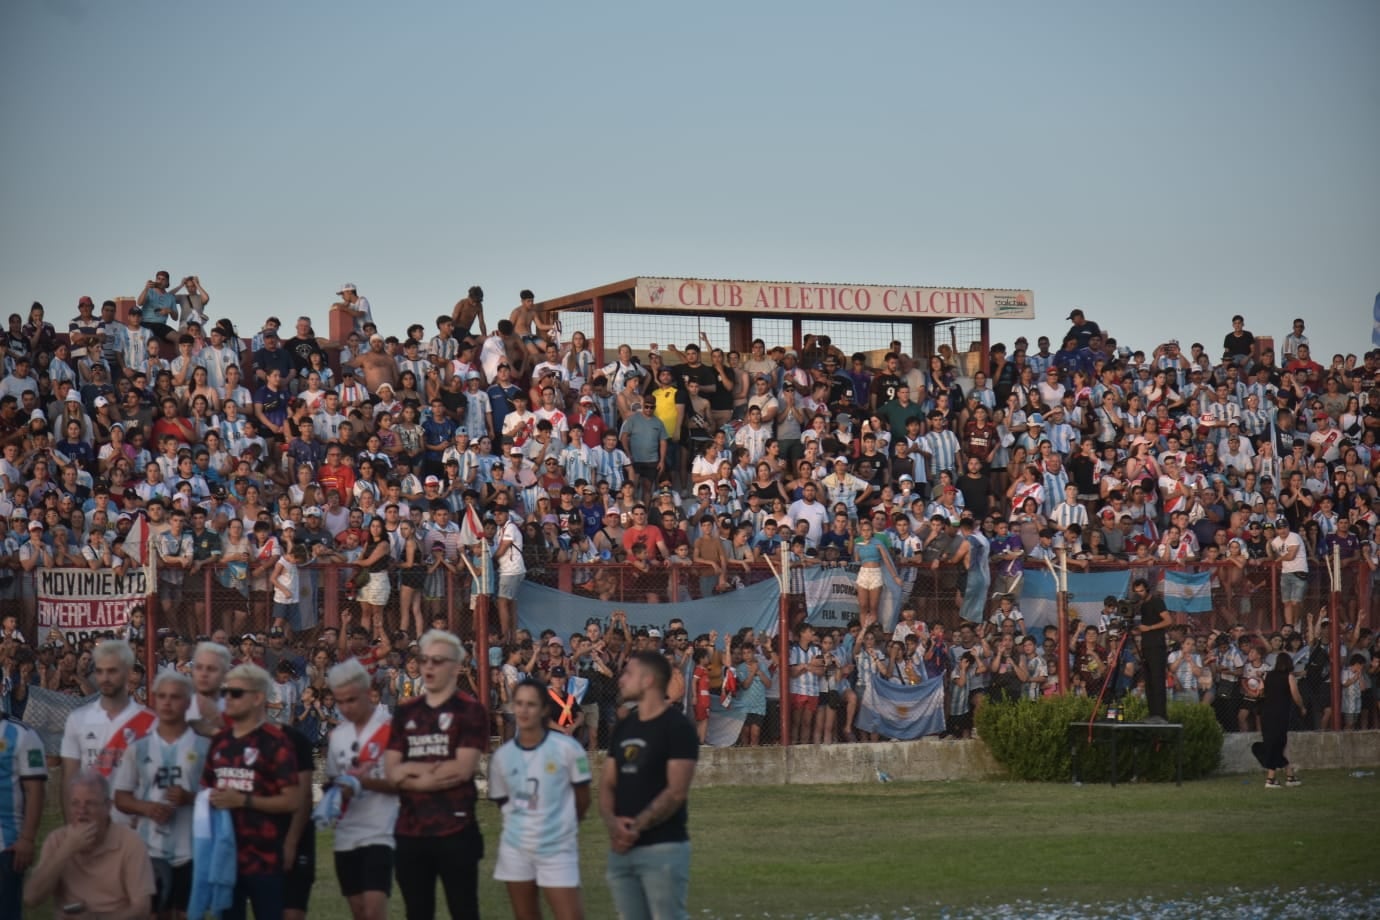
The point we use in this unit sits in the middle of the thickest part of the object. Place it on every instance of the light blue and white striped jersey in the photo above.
(539, 787)
(21, 758)
(152, 766)
(806, 684)
(1054, 490)
(944, 447)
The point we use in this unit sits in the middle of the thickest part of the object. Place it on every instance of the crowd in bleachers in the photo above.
(409, 460)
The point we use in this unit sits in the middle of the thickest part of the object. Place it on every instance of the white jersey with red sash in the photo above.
(97, 741)
(369, 817)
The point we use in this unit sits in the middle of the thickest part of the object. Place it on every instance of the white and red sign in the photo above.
(842, 300)
(85, 602)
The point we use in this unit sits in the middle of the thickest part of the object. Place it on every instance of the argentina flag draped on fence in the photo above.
(1039, 604)
(1188, 592)
(902, 712)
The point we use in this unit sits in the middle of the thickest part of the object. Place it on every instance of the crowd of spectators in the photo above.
(409, 462)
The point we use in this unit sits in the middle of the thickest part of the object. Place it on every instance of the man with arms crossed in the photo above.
(364, 833)
(98, 733)
(433, 750)
(540, 779)
(251, 768)
(156, 783)
(643, 789)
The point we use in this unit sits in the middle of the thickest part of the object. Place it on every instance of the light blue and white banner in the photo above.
(758, 606)
(902, 712)
(1087, 591)
(831, 597)
(1187, 592)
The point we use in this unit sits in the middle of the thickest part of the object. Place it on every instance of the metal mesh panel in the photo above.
(773, 332)
(639, 330)
(855, 335)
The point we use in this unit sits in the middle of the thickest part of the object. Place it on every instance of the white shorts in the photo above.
(870, 577)
(557, 870)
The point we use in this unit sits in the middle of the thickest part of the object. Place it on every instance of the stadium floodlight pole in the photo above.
(783, 644)
(1061, 615)
(1334, 634)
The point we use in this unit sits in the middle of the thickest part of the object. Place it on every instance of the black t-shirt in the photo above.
(423, 733)
(640, 750)
(1150, 612)
(976, 492)
(301, 351)
(1235, 344)
(306, 844)
(884, 387)
(261, 763)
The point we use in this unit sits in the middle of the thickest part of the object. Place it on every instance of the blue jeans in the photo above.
(651, 882)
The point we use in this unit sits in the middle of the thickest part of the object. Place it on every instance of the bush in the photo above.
(1030, 738)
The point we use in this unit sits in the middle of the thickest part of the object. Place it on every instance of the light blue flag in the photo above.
(758, 606)
(1188, 592)
(1087, 591)
(902, 712)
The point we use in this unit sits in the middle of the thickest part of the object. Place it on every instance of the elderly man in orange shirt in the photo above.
(91, 867)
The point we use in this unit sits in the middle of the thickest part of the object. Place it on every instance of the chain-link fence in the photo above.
(1250, 620)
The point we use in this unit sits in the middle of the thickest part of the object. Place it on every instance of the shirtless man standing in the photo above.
(379, 367)
(530, 323)
(466, 311)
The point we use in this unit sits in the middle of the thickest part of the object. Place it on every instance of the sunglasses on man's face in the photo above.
(234, 692)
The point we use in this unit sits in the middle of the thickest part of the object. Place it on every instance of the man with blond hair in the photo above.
(251, 770)
(433, 750)
(156, 783)
(210, 664)
(355, 762)
(98, 734)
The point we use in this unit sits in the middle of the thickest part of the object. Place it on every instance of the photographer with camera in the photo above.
(1154, 620)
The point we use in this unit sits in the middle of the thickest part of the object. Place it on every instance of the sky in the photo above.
(1162, 165)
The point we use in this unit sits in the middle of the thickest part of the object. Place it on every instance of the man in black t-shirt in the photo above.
(1154, 620)
(643, 790)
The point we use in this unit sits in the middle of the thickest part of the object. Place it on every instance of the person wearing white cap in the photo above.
(356, 306)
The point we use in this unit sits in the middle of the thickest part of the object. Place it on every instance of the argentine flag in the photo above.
(902, 712)
(1086, 593)
(1188, 592)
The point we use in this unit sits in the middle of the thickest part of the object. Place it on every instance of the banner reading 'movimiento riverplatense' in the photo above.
(86, 602)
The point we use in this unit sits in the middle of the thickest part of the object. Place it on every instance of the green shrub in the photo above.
(1030, 738)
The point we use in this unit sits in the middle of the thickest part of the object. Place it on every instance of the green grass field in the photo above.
(879, 850)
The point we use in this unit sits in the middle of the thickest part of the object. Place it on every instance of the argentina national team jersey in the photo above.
(21, 758)
(149, 769)
(538, 785)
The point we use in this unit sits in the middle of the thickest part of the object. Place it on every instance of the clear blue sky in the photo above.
(1163, 165)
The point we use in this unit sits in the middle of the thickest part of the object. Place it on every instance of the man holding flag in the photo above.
(98, 734)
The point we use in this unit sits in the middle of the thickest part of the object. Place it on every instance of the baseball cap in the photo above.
(515, 451)
(35, 525)
(101, 402)
(586, 400)
(85, 301)
(346, 287)
(432, 481)
(313, 511)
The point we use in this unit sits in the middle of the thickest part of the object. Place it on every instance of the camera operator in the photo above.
(1154, 620)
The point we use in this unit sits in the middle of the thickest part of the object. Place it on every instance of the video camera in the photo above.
(1124, 620)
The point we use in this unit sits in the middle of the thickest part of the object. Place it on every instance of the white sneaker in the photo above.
(1272, 784)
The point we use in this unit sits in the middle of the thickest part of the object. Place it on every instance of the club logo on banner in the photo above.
(82, 603)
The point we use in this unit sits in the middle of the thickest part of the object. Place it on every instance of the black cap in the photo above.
(558, 671)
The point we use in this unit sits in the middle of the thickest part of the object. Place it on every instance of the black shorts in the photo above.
(172, 885)
(365, 869)
(754, 718)
(299, 879)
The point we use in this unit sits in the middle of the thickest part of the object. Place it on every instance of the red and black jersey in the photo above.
(261, 763)
(426, 734)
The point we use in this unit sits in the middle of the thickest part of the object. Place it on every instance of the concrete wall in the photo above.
(931, 760)
(846, 763)
(1307, 751)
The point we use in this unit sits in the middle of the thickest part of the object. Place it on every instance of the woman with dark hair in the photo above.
(1281, 690)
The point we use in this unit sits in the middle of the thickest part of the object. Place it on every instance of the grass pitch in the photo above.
(874, 849)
